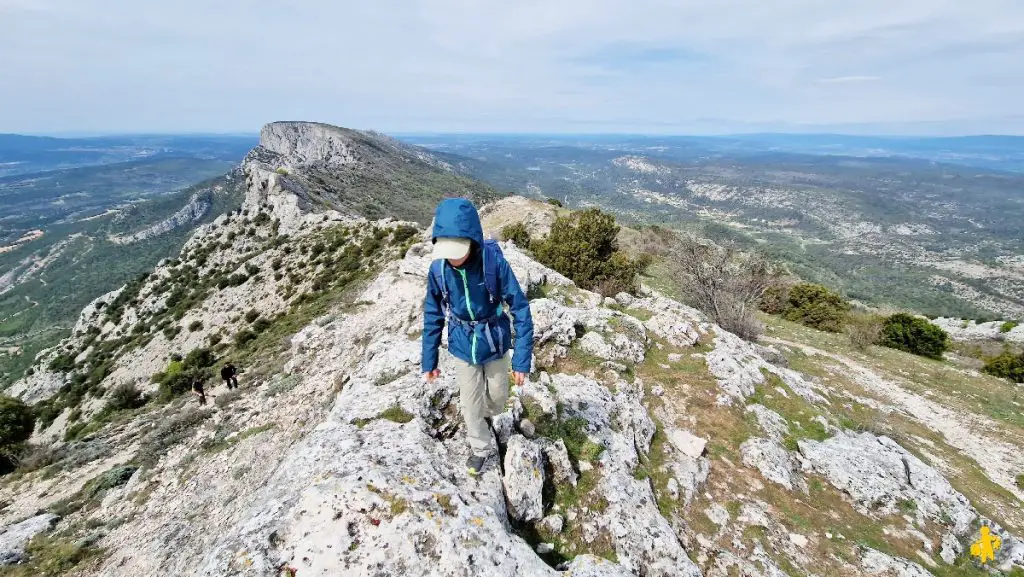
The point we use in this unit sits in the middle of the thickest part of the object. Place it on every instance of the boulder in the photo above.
(879, 474)
(13, 538)
(770, 458)
(557, 457)
(524, 479)
(552, 523)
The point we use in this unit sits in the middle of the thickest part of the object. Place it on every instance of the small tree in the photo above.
(725, 284)
(517, 233)
(816, 306)
(17, 421)
(1007, 366)
(584, 247)
(125, 397)
(915, 335)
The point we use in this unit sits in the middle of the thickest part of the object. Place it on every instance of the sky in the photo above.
(574, 66)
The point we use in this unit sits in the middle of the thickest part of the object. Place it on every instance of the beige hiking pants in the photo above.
(483, 392)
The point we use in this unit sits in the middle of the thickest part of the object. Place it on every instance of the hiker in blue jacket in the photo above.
(472, 288)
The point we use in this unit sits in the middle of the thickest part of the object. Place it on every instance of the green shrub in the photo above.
(125, 397)
(1008, 326)
(584, 247)
(199, 358)
(251, 269)
(195, 326)
(554, 202)
(403, 233)
(243, 337)
(1019, 481)
(816, 306)
(17, 420)
(905, 332)
(63, 363)
(517, 233)
(251, 315)
(1006, 366)
(261, 325)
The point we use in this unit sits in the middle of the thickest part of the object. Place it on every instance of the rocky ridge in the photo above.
(646, 442)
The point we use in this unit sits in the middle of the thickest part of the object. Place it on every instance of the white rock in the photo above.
(13, 538)
(770, 422)
(689, 444)
(770, 458)
(718, 514)
(878, 563)
(552, 523)
(524, 479)
(673, 488)
(798, 540)
(878, 474)
(623, 298)
(557, 457)
(545, 548)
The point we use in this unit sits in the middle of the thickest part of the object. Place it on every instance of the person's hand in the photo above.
(432, 375)
(519, 378)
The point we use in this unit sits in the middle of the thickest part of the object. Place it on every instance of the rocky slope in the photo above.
(646, 441)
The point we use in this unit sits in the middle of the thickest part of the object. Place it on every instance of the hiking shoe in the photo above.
(475, 465)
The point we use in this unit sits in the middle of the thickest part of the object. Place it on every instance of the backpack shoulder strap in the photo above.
(437, 271)
(492, 256)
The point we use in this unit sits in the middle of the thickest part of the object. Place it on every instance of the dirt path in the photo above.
(976, 436)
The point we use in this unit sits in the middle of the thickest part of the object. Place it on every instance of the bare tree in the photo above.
(724, 283)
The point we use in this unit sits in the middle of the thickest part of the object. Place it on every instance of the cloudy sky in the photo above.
(655, 66)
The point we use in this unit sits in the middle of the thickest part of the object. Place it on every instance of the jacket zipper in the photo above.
(469, 308)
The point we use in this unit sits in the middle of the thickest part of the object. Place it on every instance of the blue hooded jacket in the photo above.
(468, 299)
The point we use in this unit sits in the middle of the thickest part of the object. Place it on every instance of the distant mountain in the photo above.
(362, 173)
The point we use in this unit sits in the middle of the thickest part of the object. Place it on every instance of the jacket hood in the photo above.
(457, 218)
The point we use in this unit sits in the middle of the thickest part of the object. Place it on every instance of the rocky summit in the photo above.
(646, 441)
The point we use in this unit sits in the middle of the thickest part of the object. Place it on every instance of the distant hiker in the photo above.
(197, 388)
(469, 285)
(229, 374)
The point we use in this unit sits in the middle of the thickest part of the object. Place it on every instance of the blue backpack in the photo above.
(492, 255)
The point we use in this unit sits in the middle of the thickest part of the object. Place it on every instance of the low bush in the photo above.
(243, 337)
(195, 326)
(17, 421)
(517, 233)
(403, 233)
(1007, 366)
(1008, 326)
(816, 306)
(251, 315)
(125, 397)
(914, 335)
(584, 247)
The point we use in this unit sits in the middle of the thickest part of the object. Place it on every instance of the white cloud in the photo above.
(406, 65)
